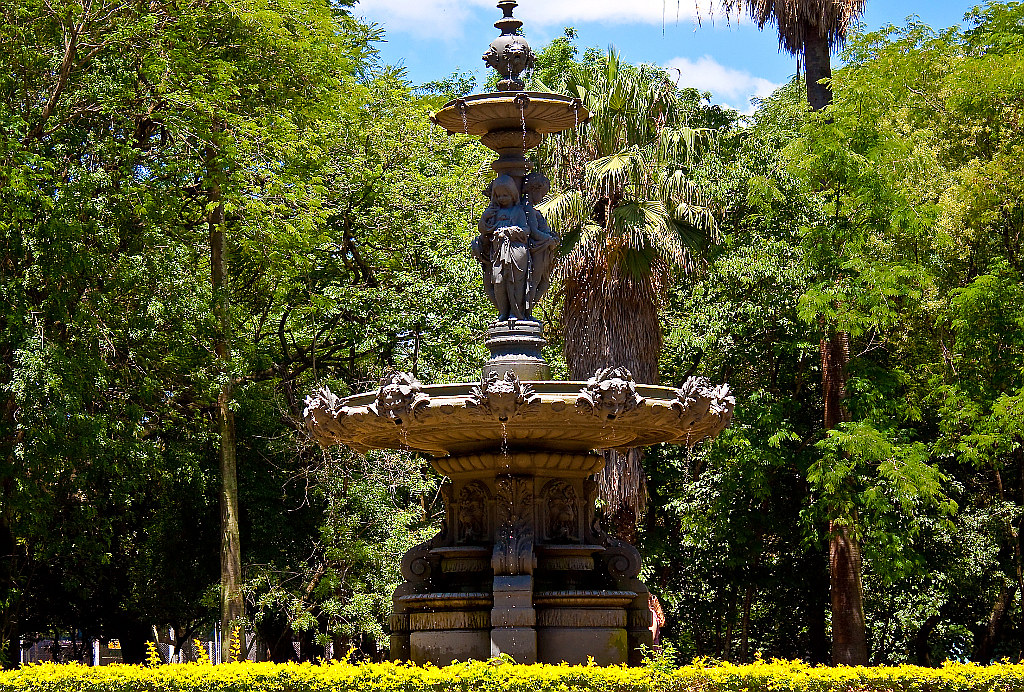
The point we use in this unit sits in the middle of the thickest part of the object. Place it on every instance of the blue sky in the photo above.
(733, 60)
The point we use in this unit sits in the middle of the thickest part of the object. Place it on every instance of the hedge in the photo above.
(761, 676)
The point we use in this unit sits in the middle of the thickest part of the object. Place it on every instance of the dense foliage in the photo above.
(130, 132)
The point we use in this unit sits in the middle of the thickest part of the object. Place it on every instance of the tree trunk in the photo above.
(835, 354)
(922, 649)
(133, 636)
(849, 641)
(849, 637)
(230, 549)
(611, 320)
(985, 640)
(816, 566)
(818, 66)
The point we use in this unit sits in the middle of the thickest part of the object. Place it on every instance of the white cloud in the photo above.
(446, 18)
(726, 83)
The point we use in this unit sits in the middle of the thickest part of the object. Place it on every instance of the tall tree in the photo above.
(630, 213)
(812, 29)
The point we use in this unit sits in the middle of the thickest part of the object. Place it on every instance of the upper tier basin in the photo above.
(509, 415)
(543, 113)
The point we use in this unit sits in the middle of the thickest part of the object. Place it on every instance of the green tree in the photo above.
(630, 213)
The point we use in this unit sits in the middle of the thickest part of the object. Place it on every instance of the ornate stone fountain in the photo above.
(521, 565)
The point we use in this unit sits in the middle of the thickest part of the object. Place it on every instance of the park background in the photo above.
(212, 208)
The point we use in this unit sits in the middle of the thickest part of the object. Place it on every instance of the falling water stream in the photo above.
(522, 119)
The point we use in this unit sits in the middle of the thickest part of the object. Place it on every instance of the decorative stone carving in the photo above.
(609, 394)
(451, 620)
(399, 398)
(509, 54)
(622, 559)
(575, 617)
(514, 250)
(544, 242)
(514, 534)
(562, 511)
(323, 407)
(503, 398)
(471, 513)
(703, 408)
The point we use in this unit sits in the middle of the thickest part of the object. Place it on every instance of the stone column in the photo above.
(513, 618)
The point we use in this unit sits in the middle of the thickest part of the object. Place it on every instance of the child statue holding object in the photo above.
(505, 229)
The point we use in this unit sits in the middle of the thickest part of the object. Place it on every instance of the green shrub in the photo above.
(761, 676)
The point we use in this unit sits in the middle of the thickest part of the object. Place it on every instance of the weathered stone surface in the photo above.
(606, 645)
(518, 642)
(442, 647)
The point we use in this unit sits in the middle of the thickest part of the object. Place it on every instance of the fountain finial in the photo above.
(509, 54)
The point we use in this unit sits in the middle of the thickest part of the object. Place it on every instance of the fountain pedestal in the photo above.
(516, 346)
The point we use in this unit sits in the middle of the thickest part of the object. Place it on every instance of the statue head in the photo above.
(536, 186)
(504, 191)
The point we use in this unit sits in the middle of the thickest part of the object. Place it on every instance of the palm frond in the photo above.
(829, 19)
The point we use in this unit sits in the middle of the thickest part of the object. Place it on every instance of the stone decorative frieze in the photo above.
(398, 623)
(574, 616)
(561, 511)
(503, 397)
(471, 513)
(609, 394)
(450, 620)
(514, 533)
(400, 398)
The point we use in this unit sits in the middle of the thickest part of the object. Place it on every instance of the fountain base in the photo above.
(522, 568)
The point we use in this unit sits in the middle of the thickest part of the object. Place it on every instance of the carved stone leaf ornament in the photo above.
(514, 534)
(609, 394)
(399, 398)
(503, 398)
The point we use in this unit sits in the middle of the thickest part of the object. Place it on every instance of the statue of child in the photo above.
(504, 227)
(543, 241)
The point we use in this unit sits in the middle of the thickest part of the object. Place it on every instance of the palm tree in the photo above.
(812, 28)
(628, 213)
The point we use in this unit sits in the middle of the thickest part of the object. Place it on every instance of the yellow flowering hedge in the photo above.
(762, 676)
